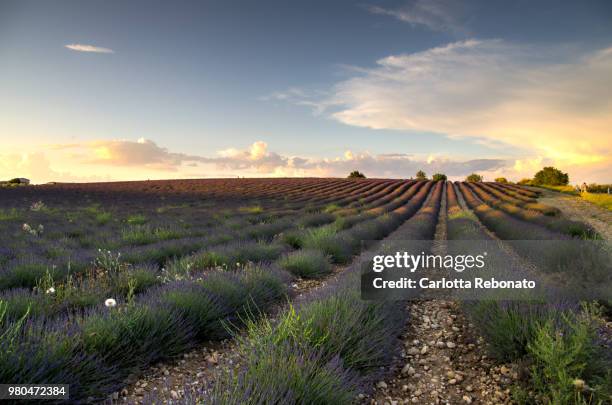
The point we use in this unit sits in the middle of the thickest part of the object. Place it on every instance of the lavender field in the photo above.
(101, 281)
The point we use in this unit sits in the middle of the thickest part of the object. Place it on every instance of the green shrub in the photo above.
(474, 178)
(551, 176)
(306, 263)
(439, 177)
(420, 175)
(507, 326)
(356, 175)
(566, 360)
(502, 180)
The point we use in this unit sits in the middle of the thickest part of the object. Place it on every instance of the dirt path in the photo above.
(443, 359)
(578, 209)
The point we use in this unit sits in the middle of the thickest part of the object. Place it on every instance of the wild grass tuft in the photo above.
(326, 240)
(25, 275)
(307, 263)
(137, 219)
(9, 214)
(102, 218)
(255, 209)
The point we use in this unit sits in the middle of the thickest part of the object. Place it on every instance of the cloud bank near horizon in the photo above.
(142, 159)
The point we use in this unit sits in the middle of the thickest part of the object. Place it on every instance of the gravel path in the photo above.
(443, 360)
(580, 210)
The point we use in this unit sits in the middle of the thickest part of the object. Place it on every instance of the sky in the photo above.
(128, 90)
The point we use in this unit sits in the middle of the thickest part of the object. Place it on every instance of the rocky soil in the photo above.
(443, 361)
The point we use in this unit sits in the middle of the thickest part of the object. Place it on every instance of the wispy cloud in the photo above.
(436, 15)
(88, 48)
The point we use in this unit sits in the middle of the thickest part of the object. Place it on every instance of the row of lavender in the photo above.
(554, 337)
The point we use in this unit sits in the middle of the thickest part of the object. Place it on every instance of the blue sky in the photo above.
(215, 81)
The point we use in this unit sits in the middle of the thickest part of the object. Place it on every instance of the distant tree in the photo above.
(356, 175)
(420, 175)
(439, 177)
(551, 176)
(501, 180)
(525, 182)
(474, 178)
(14, 181)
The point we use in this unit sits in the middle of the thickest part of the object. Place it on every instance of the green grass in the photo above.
(306, 263)
(102, 218)
(326, 239)
(561, 189)
(603, 200)
(331, 208)
(137, 219)
(25, 275)
(9, 215)
(144, 234)
(255, 209)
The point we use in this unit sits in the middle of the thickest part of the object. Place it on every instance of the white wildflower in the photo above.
(110, 302)
(50, 290)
